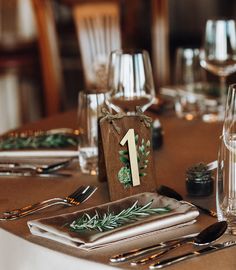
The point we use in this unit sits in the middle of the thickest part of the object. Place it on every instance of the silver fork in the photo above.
(76, 198)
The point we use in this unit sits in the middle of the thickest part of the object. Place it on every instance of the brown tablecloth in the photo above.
(185, 143)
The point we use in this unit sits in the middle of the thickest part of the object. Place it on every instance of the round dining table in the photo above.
(185, 143)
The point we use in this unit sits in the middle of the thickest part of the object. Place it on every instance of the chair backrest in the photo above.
(50, 56)
(98, 30)
(160, 42)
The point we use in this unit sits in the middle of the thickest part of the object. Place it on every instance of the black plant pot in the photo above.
(199, 187)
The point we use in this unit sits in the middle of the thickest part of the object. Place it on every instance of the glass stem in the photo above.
(222, 90)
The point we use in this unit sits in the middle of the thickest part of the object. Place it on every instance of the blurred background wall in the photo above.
(18, 38)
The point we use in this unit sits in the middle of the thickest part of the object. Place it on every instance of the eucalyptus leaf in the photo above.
(142, 174)
(123, 152)
(124, 159)
(148, 143)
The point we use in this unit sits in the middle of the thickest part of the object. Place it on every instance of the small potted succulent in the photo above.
(199, 180)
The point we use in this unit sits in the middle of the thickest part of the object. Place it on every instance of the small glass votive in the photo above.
(89, 111)
(189, 78)
(189, 104)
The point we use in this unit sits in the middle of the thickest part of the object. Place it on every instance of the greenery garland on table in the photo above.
(109, 221)
(40, 141)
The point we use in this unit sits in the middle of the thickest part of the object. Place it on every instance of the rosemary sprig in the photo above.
(40, 141)
(109, 221)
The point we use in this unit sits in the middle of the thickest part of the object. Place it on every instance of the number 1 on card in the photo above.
(130, 139)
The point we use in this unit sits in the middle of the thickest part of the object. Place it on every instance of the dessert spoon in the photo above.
(169, 192)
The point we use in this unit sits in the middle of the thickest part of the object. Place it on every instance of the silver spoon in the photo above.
(169, 192)
(205, 237)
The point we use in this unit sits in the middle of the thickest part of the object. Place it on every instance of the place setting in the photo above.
(125, 144)
(38, 153)
(114, 144)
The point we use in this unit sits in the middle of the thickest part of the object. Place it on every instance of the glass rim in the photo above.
(91, 92)
(220, 19)
(129, 51)
(233, 85)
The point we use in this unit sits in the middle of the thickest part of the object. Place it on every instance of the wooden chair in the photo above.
(50, 56)
(98, 30)
(160, 42)
(19, 68)
(98, 33)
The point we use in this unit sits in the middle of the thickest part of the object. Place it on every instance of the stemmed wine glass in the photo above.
(229, 125)
(226, 172)
(219, 54)
(130, 81)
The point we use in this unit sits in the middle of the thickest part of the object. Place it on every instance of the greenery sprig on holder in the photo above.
(143, 151)
(109, 221)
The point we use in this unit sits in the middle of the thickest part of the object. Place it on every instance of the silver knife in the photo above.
(142, 251)
(176, 259)
(21, 173)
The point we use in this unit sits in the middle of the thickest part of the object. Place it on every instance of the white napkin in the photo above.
(56, 228)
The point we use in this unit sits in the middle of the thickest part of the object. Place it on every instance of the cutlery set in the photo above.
(206, 237)
(30, 169)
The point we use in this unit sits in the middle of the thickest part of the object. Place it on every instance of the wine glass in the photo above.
(226, 171)
(130, 81)
(229, 125)
(219, 54)
(226, 187)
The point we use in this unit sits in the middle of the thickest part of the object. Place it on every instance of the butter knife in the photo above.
(176, 259)
(142, 251)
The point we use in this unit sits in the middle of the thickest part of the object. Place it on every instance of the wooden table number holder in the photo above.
(127, 150)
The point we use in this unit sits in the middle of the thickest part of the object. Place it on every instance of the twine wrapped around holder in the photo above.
(143, 118)
(111, 117)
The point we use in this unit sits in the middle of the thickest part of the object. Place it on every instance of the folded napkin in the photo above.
(56, 228)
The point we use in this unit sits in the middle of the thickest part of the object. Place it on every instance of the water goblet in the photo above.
(89, 112)
(130, 81)
(218, 55)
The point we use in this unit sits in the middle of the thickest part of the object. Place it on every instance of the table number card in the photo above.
(128, 155)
